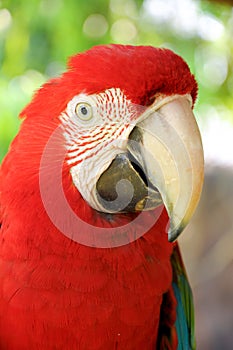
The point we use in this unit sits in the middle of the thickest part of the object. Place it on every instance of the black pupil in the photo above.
(84, 110)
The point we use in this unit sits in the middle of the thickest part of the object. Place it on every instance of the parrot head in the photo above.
(128, 130)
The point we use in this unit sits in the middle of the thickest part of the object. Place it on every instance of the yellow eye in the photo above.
(84, 111)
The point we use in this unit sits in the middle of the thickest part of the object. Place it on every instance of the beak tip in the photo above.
(174, 232)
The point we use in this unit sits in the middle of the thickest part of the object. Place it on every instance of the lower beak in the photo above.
(163, 165)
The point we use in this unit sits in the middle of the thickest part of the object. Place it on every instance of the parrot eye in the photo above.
(84, 111)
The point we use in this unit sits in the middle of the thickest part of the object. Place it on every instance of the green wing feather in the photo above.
(184, 310)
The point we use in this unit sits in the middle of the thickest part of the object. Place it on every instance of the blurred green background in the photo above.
(37, 36)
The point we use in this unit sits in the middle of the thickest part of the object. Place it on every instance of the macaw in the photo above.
(104, 174)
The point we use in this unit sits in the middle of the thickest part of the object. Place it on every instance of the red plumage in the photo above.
(56, 293)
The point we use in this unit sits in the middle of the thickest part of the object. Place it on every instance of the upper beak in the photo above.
(166, 147)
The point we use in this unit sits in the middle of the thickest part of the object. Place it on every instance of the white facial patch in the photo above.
(96, 129)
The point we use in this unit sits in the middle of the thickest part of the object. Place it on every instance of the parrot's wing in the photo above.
(184, 310)
(176, 327)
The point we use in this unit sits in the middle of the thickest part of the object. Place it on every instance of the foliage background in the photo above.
(37, 36)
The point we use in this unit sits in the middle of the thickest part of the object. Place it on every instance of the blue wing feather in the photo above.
(184, 310)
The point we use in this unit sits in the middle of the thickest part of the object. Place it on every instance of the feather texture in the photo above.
(184, 310)
(56, 293)
(176, 328)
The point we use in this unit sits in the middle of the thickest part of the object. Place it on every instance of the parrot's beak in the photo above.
(164, 164)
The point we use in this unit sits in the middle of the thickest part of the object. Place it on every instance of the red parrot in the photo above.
(104, 174)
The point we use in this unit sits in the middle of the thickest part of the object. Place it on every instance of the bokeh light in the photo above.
(5, 20)
(212, 67)
(95, 26)
(123, 30)
(210, 28)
